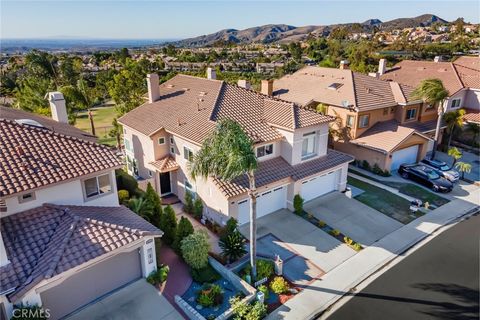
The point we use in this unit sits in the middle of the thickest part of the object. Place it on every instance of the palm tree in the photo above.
(433, 92)
(463, 167)
(226, 154)
(474, 129)
(452, 120)
(142, 207)
(455, 154)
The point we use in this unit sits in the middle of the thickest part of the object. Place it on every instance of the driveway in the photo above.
(138, 300)
(353, 218)
(468, 157)
(292, 237)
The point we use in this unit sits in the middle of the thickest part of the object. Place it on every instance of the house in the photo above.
(376, 121)
(162, 136)
(268, 67)
(64, 239)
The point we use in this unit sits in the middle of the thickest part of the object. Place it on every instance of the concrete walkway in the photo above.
(318, 296)
(382, 186)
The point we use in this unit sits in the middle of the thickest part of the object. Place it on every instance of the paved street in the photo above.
(438, 281)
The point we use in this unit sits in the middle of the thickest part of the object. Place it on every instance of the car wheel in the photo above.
(435, 188)
(405, 175)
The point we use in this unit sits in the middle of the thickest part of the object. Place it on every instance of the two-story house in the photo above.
(162, 136)
(376, 120)
(64, 239)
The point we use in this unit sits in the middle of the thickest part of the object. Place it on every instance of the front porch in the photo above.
(164, 179)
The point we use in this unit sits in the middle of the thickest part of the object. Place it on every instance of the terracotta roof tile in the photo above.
(277, 169)
(472, 116)
(32, 157)
(165, 164)
(46, 241)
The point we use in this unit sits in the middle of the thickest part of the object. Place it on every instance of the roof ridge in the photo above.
(113, 226)
(457, 75)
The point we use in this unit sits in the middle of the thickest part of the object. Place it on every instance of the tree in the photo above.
(433, 92)
(195, 249)
(116, 132)
(228, 153)
(453, 119)
(141, 207)
(184, 229)
(455, 154)
(474, 129)
(151, 196)
(463, 167)
(168, 224)
(233, 246)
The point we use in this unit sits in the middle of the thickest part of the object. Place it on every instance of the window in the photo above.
(456, 103)
(171, 140)
(392, 110)
(264, 150)
(187, 154)
(350, 120)
(161, 140)
(363, 123)
(172, 150)
(150, 173)
(411, 113)
(308, 145)
(127, 144)
(97, 185)
(385, 111)
(150, 255)
(26, 197)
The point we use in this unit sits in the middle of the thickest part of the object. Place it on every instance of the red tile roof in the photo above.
(49, 240)
(165, 164)
(472, 116)
(277, 169)
(189, 107)
(32, 157)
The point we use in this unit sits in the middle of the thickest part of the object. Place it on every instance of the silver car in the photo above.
(446, 171)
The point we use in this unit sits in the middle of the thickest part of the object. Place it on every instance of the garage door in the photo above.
(407, 155)
(320, 185)
(92, 283)
(267, 202)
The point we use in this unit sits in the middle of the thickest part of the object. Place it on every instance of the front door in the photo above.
(165, 187)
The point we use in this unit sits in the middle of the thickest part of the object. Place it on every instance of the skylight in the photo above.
(335, 86)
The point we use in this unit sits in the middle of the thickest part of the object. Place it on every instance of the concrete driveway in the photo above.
(353, 218)
(296, 235)
(139, 300)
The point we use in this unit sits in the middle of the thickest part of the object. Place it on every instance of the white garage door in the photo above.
(407, 155)
(267, 202)
(320, 185)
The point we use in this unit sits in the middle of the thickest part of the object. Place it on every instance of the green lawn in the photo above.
(102, 119)
(384, 201)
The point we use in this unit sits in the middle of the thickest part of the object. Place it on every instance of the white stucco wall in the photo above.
(472, 99)
(68, 193)
(462, 94)
(147, 267)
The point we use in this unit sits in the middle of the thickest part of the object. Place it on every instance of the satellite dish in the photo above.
(345, 103)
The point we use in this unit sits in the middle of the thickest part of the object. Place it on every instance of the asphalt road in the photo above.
(438, 281)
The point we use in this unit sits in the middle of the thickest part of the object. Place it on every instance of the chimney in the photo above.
(153, 85)
(382, 66)
(344, 65)
(57, 106)
(211, 74)
(244, 84)
(267, 87)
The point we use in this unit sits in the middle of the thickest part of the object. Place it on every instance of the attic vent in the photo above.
(335, 86)
(170, 86)
(442, 70)
(368, 90)
(202, 94)
(3, 206)
(29, 122)
(185, 89)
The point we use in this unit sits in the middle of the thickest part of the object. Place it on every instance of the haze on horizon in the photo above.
(182, 19)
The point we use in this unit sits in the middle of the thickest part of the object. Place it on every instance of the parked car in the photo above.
(444, 170)
(425, 175)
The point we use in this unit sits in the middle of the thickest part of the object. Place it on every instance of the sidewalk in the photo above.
(322, 293)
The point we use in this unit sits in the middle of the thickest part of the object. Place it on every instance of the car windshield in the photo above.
(432, 175)
(445, 168)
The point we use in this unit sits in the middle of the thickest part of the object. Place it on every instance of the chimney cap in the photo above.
(54, 96)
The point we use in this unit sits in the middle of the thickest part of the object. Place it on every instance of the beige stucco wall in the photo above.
(472, 99)
(143, 150)
(362, 153)
(462, 94)
(375, 116)
(68, 193)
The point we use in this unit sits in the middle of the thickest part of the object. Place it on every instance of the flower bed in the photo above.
(331, 231)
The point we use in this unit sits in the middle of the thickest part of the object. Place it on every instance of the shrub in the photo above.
(366, 165)
(298, 204)
(127, 182)
(334, 232)
(265, 268)
(141, 207)
(264, 289)
(198, 208)
(257, 312)
(168, 224)
(123, 196)
(279, 285)
(153, 198)
(205, 274)
(210, 295)
(195, 249)
(386, 173)
(158, 276)
(184, 229)
(229, 228)
(357, 247)
(244, 311)
(376, 169)
(233, 246)
(321, 224)
(188, 203)
(347, 240)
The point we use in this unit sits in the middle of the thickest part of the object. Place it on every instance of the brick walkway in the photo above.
(179, 279)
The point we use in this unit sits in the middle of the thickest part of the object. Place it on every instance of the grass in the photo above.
(102, 119)
(384, 201)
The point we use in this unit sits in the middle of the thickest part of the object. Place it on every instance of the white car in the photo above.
(443, 169)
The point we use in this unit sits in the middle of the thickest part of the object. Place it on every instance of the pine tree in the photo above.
(184, 229)
(168, 224)
(151, 196)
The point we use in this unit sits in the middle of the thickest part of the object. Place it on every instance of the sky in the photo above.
(181, 19)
